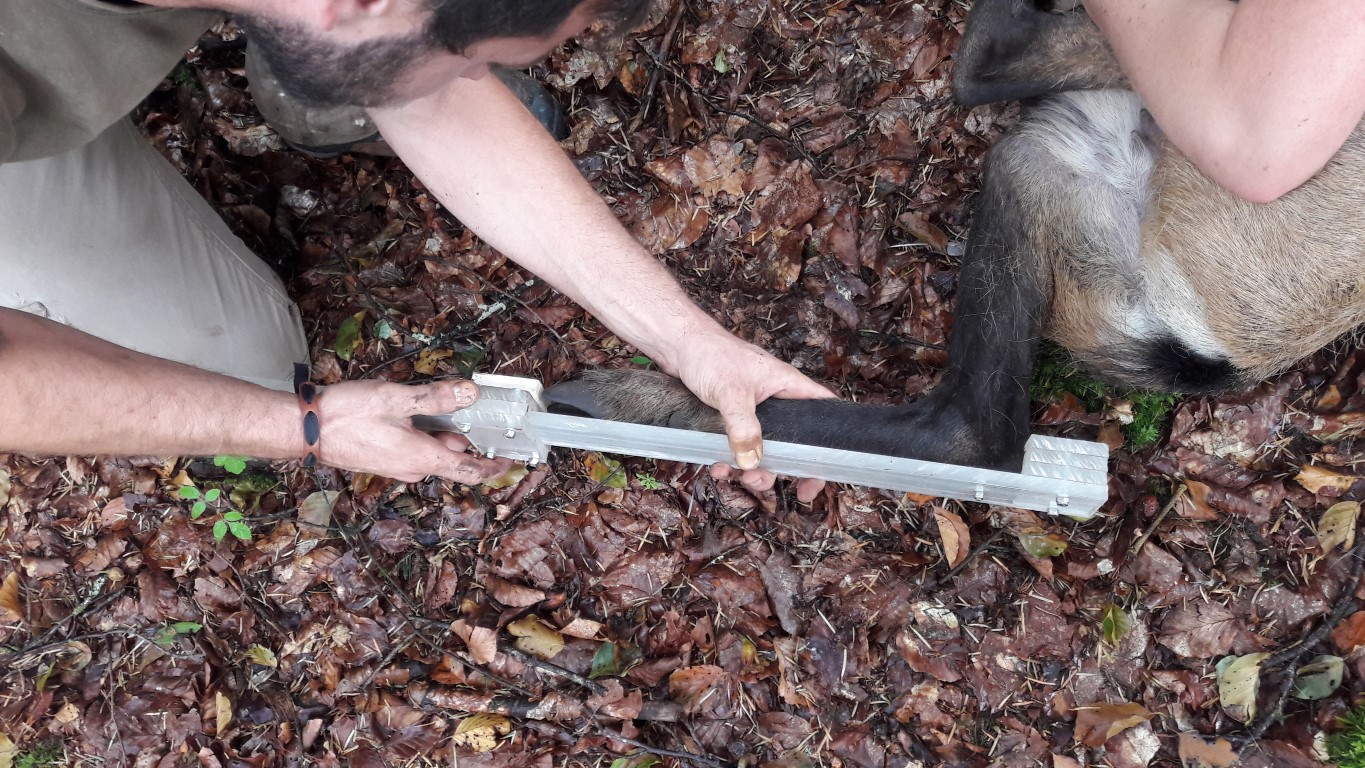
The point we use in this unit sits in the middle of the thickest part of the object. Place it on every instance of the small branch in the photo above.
(1166, 510)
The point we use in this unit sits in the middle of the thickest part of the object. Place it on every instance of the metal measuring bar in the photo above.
(1060, 476)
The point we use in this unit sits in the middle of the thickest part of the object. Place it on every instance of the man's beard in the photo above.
(327, 75)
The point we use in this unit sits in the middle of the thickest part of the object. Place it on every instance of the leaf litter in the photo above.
(803, 171)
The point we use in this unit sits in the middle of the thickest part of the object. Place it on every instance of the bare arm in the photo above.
(1259, 93)
(70, 393)
(495, 168)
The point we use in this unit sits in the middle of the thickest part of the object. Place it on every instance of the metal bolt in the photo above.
(509, 434)
(535, 459)
(490, 453)
(980, 492)
(464, 428)
(1063, 500)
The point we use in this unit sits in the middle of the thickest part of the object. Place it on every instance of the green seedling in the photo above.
(1347, 746)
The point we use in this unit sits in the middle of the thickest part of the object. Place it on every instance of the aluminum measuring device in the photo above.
(1060, 476)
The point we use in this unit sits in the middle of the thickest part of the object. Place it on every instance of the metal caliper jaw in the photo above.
(1060, 476)
(498, 424)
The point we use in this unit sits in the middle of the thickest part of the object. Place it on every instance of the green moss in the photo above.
(1347, 746)
(42, 755)
(1056, 372)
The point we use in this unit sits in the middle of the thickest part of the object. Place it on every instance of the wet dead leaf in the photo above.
(1239, 679)
(581, 628)
(1337, 528)
(1099, 723)
(481, 641)
(315, 513)
(956, 537)
(1325, 481)
(691, 686)
(1042, 545)
(1319, 678)
(536, 638)
(1195, 752)
(512, 595)
(10, 609)
(480, 732)
(222, 712)
(1350, 634)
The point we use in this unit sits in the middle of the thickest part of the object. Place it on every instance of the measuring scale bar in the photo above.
(1060, 476)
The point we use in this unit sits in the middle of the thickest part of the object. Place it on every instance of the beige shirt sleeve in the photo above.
(11, 104)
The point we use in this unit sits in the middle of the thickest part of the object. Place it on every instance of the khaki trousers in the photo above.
(109, 239)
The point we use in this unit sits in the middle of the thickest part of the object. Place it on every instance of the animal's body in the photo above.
(1094, 231)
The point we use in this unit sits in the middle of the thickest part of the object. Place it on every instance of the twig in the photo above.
(1166, 510)
(553, 670)
(1291, 657)
(698, 759)
(656, 66)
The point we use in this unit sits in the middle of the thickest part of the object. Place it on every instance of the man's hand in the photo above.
(367, 427)
(733, 377)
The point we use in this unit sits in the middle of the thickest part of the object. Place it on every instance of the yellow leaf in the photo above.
(581, 628)
(957, 539)
(430, 358)
(1317, 479)
(10, 609)
(68, 714)
(259, 654)
(1239, 678)
(1099, 723)
(1338, 526)
(535, 638)
(7, 752)
(222, 709)
(606, 471)
(480, 732)
(507, 479)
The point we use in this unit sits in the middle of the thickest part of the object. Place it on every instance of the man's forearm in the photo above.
(495, 169)
(70, 393)
(1259, 93)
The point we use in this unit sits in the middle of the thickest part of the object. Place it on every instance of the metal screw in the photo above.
(1063, 500)
(535, 459)
(980, 492)
(490, 453)
(509, 434)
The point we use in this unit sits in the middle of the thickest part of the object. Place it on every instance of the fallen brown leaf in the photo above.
(1195, 752)
(1098, 723)
(956, 537)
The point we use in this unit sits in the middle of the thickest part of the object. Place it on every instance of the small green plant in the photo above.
(231, 520)
(167, 634)
(1347, 746)
(47, 754)
(234, 465)
(648, 481)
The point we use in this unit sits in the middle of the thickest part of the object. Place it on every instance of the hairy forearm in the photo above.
(69, 393)
(496, 170)
(1259, 94)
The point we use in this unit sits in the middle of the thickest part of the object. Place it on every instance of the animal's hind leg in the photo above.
(1015, 50)
(978, 415)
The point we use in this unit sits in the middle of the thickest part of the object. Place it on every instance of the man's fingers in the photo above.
(808, 489)
(745, 434)
(798, 387)
(758, 480)
(434, 399)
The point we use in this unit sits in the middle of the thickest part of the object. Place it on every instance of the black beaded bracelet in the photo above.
(309, 395)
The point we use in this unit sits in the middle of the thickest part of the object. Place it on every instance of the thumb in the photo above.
(744, 431)
(798, 386)
(434, 399)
